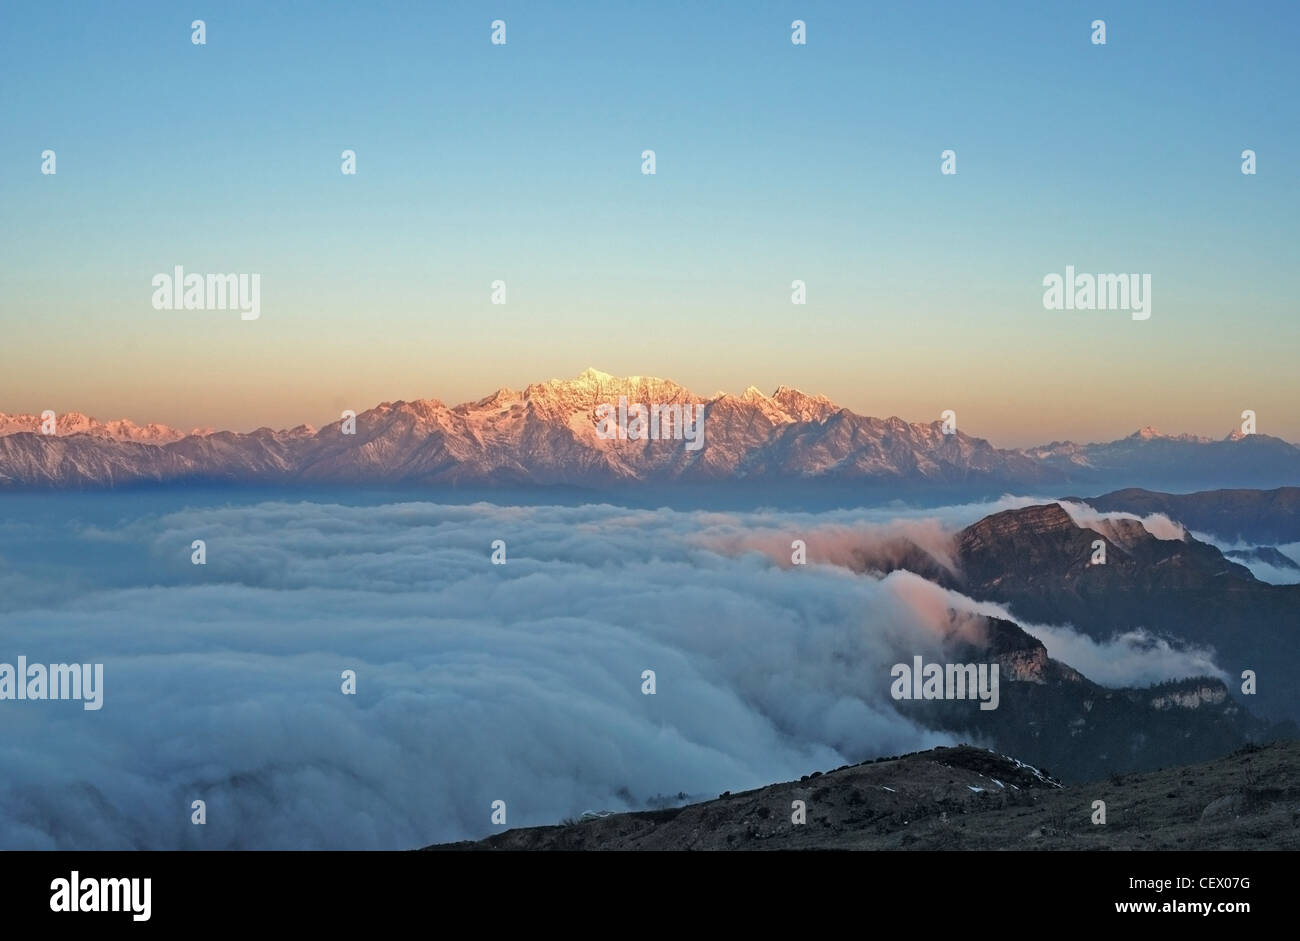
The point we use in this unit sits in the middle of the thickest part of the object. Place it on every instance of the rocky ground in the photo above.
(966, 798)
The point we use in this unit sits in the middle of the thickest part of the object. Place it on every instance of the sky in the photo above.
(774, 162)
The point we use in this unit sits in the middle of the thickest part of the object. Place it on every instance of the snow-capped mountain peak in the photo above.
(547, 434)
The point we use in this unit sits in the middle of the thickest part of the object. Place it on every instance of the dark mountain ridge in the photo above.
(1037, 562)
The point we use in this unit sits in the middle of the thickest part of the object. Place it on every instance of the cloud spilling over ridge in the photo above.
(1129, 658)
(1157, 524)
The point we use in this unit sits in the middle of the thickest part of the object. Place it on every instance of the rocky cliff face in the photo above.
(1192, 694)
(1037, 561)
(1053, 716)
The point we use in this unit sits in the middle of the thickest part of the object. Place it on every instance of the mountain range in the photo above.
(545, 435)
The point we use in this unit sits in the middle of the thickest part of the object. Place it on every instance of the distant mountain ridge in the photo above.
(546, 435)
(1260, 516)
(75, 423)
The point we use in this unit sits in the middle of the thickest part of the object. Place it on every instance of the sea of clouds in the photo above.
(476, 682)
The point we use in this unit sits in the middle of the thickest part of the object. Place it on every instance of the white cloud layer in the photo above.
(476, 682)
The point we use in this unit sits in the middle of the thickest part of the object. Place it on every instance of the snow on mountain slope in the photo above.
(546, 434)
(75, 423)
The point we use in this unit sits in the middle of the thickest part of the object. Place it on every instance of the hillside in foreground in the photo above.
(966, 798)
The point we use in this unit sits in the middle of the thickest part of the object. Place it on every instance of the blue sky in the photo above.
(775, 162)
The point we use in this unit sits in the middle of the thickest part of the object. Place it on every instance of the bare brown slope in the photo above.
(967, 798)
